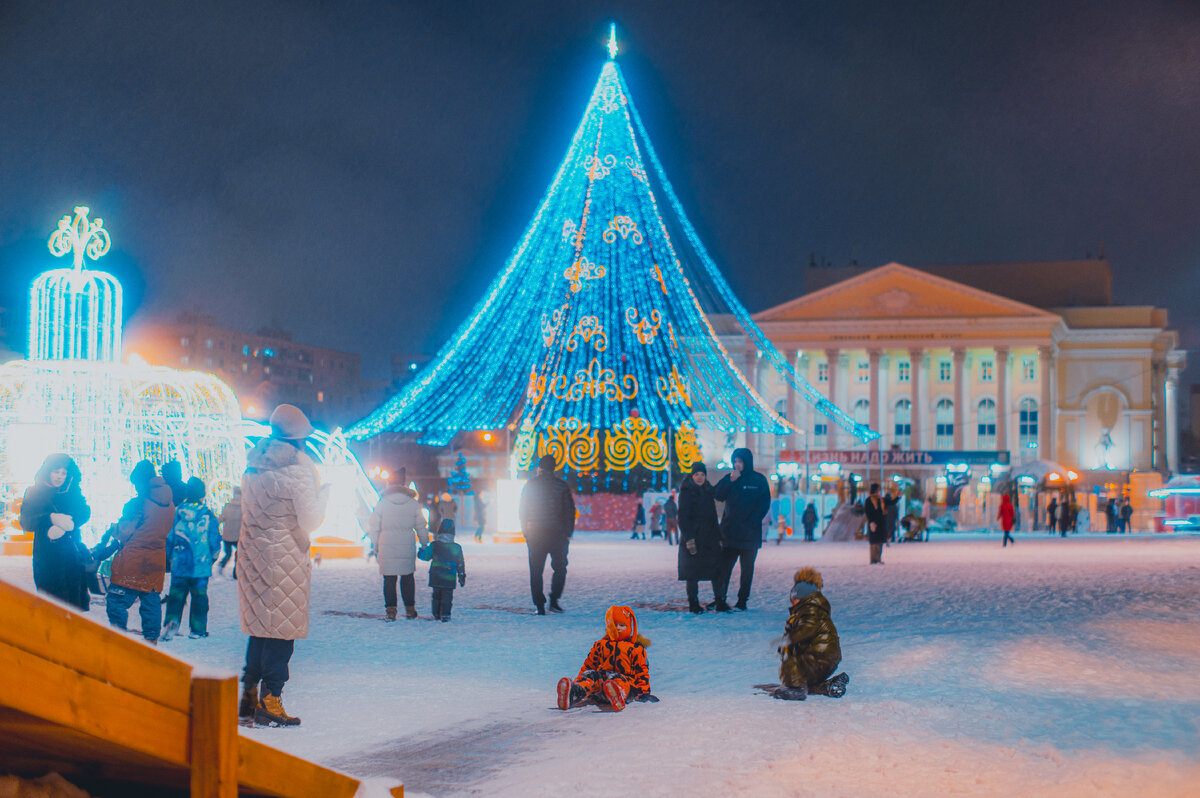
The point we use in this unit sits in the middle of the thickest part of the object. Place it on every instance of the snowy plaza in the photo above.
(1063, 667)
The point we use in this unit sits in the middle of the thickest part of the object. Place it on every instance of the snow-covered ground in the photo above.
(1055, 667)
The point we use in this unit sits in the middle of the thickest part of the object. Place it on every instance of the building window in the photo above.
(1028, 369)
(268, 353)
(245, 368)
(820, 433)
(943, 420)
(266, 369)
(905, 371)
(1027, 424)
(987, 370)
(902, 430)
(822, 372)
(862, 411)
(246, 350)
(208, 343)
(320, 396)
(985, 419)
(183, 361)
(208, 362)
(185, 341)
(864, 371)
(943, 371)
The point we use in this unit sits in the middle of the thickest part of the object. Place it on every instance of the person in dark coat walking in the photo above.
(53, 510)
(809, 521)
(1052, 515)
(876, 507)
(639, 521)
(747, 497)
(699, 536)
(547, 513)
(671, 519)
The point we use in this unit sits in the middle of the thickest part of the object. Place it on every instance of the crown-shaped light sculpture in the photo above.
(75, 313)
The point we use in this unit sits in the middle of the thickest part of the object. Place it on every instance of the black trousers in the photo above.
(408, 590)
(267, 661)
(693, 590)
(1008, 538)
(725, 573)
(443, 600)
(538, 551)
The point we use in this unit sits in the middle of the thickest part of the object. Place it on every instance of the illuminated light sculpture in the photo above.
(74, 395)
(594, 342)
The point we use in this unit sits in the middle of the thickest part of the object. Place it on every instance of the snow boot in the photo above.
(410, 611)
(564, 692)
(169, 630)
(554, 606)
(694, 607)
(834, 687)
(541, 609)
(722, 607)
(249, 701)
(615, 695)
(791, 693)
(196, 635)
(270, 712)
(391, 614)
(740, 606)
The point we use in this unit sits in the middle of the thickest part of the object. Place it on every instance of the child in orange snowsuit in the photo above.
(615, 669)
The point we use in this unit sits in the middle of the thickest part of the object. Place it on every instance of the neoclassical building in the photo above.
(1033, 359)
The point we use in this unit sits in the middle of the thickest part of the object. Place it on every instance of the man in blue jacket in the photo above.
(747, 497)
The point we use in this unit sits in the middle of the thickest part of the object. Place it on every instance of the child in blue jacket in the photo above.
(445, 565)
(192, 546)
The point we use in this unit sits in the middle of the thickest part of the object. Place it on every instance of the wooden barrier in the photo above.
(108, 711)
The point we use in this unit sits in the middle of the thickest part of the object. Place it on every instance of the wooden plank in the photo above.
(53, 632)
(63, 696)
(213, 739)
(269, 771)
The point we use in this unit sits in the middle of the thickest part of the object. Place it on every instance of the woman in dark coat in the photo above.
(699, 534)
(53, 510)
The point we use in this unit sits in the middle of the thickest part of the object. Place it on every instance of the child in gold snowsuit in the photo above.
(811, 650)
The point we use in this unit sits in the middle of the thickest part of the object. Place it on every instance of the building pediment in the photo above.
(895, 291)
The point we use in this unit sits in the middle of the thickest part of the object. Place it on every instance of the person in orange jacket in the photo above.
(615, 670)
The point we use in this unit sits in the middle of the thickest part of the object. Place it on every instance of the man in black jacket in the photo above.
(877, 507)
(747, 497)
(547, 522)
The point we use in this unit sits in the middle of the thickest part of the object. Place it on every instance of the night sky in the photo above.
(357, 172)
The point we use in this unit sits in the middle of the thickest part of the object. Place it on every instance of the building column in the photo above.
(751, 356)
(1045, 403)
(1170, 430)
(959, 356)
(793, 415)
(1001, 398)
(873, 356)
(916, 357)
(832, 358)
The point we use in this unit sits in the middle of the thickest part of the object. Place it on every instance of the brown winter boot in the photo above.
(391, 613)
(270, 713)
(249, 701)
(410, 611)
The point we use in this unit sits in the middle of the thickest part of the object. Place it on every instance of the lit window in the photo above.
(864, 371)
(1027, 424)
(320, 396)
(208, 343)
(246, 351)
(245, 368)
(986, 370)
(943, 371)
(1028, 369)
(902, 430)
(822, 372)
(266, 369)
(185, 341)
(943, 420)
(905, 371)
(986, 424)
(268, 353)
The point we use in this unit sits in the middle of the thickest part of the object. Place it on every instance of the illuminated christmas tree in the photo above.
(594, 343)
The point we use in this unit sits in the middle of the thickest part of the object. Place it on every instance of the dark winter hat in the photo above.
(195, 489)
(447, 525)
(699, 468)
(546, 463)
(141, 475)
(172, 471)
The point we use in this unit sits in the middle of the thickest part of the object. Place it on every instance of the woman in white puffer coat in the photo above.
(282, 503)
(395, 526)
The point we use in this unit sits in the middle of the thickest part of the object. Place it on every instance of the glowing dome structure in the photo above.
(74, 395)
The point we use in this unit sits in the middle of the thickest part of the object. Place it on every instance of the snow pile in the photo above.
(1052, 667)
